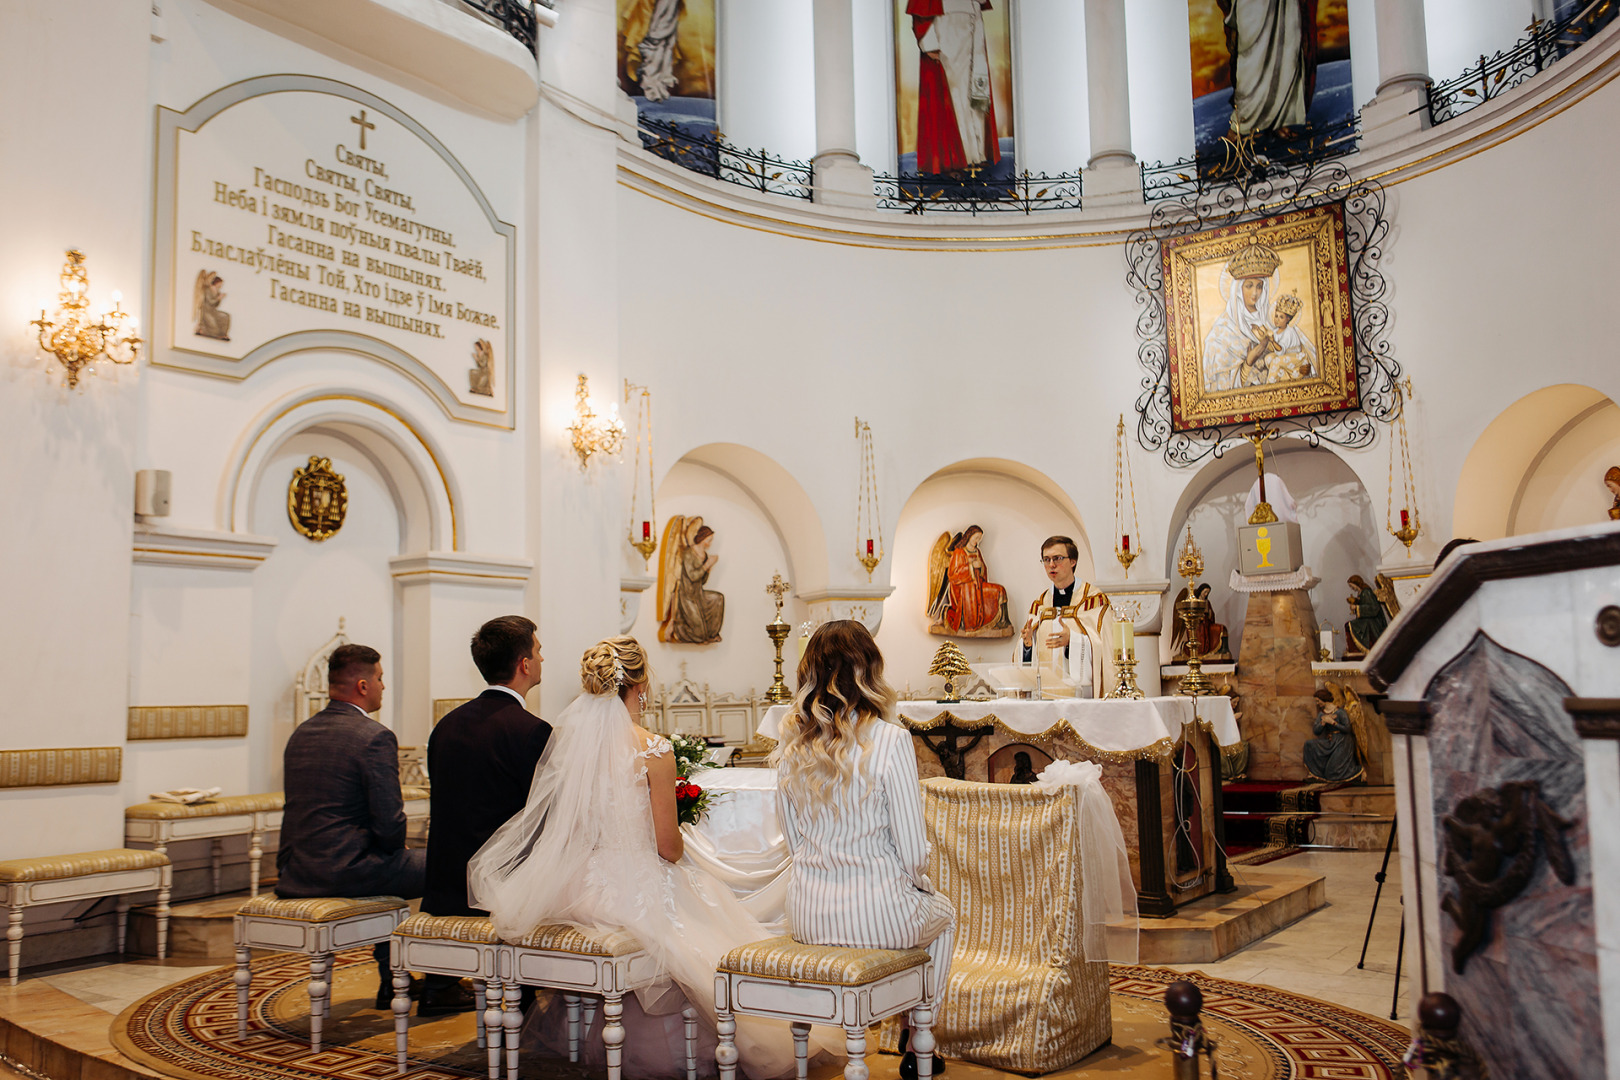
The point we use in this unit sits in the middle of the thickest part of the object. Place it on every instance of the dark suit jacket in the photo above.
(343, 828)
(481, 760)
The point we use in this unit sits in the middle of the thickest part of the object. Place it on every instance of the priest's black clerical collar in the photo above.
(1062, 596)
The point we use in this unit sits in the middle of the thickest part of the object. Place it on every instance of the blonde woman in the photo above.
(851, 809)
(599, 845)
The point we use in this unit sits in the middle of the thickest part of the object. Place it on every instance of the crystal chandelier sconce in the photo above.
(78, 339)
(592, 434)
(1411, 523)
(642, 526)
(868, 521)
(1123, 482)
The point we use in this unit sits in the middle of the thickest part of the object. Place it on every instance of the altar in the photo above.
(1160, 759)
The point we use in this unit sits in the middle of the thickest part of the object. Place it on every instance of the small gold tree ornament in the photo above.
(950, 665)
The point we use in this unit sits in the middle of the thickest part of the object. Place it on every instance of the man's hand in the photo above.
(1058, 639)
(932, 54)
(1029, 632)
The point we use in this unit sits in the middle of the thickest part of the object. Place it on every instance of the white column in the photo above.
(1111, 175)
(1400, 108)
(841, 179)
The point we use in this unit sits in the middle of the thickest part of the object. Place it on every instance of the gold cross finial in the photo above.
(365, 126)
(778, 589)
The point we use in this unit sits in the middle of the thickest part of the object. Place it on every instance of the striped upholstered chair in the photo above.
(1022, 996)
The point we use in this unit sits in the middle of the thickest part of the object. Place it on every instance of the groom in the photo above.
(481, 760)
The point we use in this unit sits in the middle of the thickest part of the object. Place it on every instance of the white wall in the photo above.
(1159, 52)
(1460, 30)
(875, 137)
(1054, 123)
(767, 93)
(1565, 486)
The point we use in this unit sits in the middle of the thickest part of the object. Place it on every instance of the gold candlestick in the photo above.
(1193, 611)
(1125, 685)
(778, 630)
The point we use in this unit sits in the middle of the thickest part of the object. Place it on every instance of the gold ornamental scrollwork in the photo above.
(317, 499)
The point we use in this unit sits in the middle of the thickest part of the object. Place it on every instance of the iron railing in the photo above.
(1025, 193)
(708, 153)
(1547, 42)
(1245, 161)
(516, 17)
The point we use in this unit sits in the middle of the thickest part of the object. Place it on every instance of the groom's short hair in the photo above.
(500, 644)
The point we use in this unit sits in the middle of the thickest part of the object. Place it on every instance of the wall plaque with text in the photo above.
(297, 213)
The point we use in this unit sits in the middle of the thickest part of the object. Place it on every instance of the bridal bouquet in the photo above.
(691, 801)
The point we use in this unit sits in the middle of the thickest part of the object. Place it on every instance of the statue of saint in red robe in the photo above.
(964, 602)
(956, 111)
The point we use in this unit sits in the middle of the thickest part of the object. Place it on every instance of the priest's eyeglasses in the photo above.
(1053, 560)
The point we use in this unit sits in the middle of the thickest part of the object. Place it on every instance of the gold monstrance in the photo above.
(1193, 612)
(1263, 513)
(778, 630)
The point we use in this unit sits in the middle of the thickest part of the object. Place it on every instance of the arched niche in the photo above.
(764, 524)
(1338, 530)
(1539, 465)
(1018, 507)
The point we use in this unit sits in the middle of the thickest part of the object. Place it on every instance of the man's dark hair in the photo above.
(500, 644)
(1069, 547)
(345, 664)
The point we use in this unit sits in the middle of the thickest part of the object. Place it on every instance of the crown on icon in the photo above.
(1256, 260)
(1289, 305)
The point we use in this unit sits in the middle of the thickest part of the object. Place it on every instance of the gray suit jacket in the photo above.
(343, 829)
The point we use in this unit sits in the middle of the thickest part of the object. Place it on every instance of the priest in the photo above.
(956, 110)
(1072, 652)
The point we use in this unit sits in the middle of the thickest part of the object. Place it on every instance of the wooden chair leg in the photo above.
(244, 982)
(14, 936)
(613, 1032)
(493, 1024)
(922, 1039)
(512, 1017)
(480, 990)
(801, 1049)
(255, 854)
(402, 1016)
(855, 1043)
(318, 989)
(163, 919)
(689, 1024)
(725, 1049)
(572, 1003)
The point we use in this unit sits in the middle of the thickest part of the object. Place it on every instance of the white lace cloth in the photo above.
(1108, 896)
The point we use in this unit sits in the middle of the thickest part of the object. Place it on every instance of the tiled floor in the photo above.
(1316, 956)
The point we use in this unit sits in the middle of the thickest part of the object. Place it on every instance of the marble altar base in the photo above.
(1266, 899)
(1275, 680)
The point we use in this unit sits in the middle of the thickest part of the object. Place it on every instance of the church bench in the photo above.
(161, 823)
(316, 926)
(460, 946)
(87, 875)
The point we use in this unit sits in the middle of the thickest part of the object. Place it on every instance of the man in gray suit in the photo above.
(343, 826)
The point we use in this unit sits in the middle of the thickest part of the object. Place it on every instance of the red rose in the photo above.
(693, 790)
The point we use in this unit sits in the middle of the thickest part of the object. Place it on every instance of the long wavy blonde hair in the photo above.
(841, 689)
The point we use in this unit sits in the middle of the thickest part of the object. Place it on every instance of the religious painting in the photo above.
(1258, 320)
(667, 61)
(953, 88)
(1274, 74)
(206, 296)
(962, 600)
(1017, 763)
(688, 613)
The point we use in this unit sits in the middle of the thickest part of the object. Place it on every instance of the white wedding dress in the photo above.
(583, 851)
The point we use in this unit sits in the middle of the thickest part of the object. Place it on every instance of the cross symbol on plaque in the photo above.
(972, 170)
(365, 125)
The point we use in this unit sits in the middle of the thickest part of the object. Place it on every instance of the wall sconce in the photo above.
(594, 434)
(73, 338)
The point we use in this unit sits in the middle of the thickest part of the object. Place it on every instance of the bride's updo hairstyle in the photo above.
(841, 687)
(614, 666)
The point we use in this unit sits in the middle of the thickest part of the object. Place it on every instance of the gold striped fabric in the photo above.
(414, 791)
(187, 721)
(220, 807)
(318, 909)
(57, 867)
(1021, 994)
(784, 958)
(53, 768)
(561, 937)
(472, 929)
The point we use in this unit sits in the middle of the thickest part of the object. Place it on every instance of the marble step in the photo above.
(196, 927)
(1268, 898)
(1371, 799)
(1351, 832)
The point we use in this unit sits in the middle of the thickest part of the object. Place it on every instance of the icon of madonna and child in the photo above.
(1259, 337)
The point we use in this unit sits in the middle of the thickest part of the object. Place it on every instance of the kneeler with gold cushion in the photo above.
(1022, 995)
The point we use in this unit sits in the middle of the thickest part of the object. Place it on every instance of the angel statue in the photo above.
(962, 600)
(1339, 751)
(206, 296)
(688, 613)
(1372, 607)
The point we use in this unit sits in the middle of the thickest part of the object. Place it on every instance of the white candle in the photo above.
(1327, 642)
(1127, 637)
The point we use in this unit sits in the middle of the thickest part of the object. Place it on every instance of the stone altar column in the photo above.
(1112, 177)
(840, 178)
(1400, 109)
(1274, 671)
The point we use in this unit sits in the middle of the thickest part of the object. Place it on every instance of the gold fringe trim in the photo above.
(1157, 750)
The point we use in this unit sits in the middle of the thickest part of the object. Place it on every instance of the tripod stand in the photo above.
(1400, 947)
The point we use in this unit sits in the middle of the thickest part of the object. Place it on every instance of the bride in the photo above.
(598, 845)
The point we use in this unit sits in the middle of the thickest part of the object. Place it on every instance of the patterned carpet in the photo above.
(188, 1030)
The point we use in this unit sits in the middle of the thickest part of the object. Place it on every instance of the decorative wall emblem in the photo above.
(480, 375)
(317, 499)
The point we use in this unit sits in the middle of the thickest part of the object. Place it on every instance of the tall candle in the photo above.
(646, 530)
(1127, 637)
(1327, 642)
(1404, 519)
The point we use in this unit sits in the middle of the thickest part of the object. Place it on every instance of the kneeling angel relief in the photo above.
(962, 600)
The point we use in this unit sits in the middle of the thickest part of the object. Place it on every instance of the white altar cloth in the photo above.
(1143, 727)
(740, 840)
